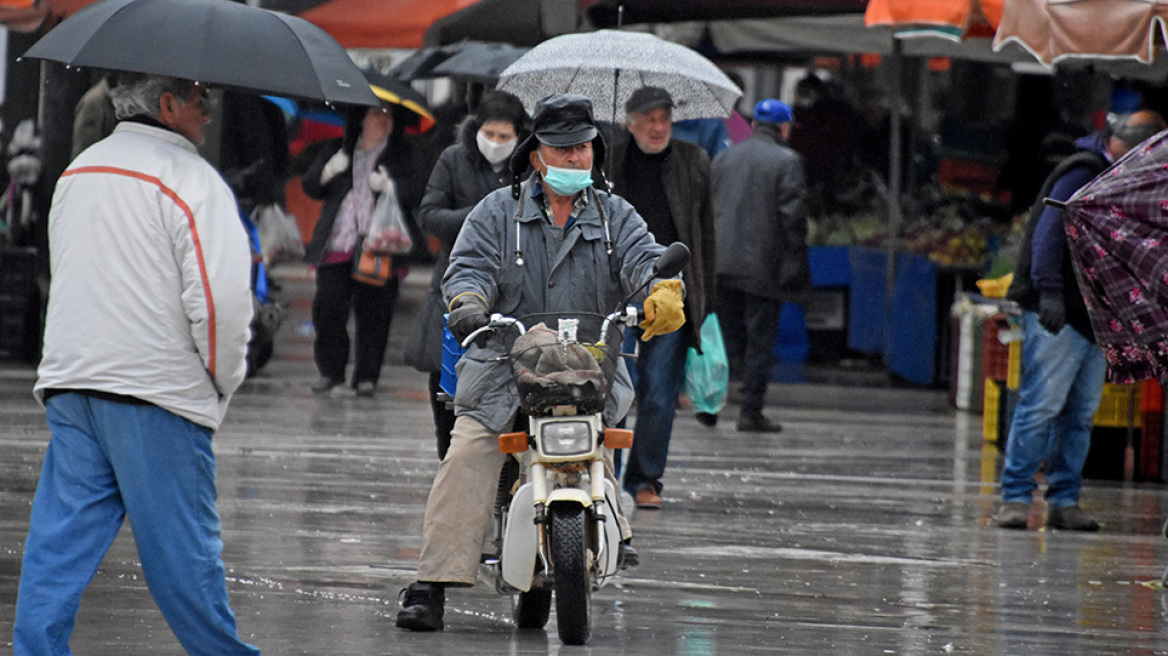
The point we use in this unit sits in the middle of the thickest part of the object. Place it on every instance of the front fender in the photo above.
(570, 494)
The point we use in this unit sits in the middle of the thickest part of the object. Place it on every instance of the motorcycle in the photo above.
(556, 531)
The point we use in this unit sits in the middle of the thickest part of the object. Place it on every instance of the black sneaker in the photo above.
(757, 423)
(706, 419)
(1071, 518)
(422, 607)
(627, 556)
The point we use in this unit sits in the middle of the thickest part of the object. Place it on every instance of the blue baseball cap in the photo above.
(769, 110)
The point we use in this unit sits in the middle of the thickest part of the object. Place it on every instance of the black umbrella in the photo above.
(479, 61)
(399, 92)
(218, 42)
(420, 64)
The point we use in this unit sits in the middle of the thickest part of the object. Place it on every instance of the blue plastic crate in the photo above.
(451, 353)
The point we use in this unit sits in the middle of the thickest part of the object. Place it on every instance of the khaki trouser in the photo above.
(462, 499)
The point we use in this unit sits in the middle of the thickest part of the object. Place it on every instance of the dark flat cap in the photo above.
(563, 119)
(647, 98)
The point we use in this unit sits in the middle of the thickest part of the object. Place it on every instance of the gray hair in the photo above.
(139, 94)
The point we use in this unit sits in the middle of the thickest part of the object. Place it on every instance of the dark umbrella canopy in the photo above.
(418, 66)
(479, 61)
(218, 42)
(1117, 230)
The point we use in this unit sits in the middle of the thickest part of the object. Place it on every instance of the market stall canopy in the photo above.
(518, 22)
(849, 35)
(954, 18)
(205, 40)
(1099, 29)
(381, 23)
(30, 15)
(607, 13)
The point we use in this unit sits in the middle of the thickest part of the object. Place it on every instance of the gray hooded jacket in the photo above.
(562, 271)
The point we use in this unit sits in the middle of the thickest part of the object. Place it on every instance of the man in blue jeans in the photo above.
(145, 342)
(668, 182)
(1062, 367)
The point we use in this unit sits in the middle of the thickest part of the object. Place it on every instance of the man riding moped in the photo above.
(550, 244)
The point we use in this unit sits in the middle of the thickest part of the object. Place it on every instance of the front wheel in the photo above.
(530, 609)
(573, 589)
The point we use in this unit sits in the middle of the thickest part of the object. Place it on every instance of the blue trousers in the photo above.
(659, 376)
(1062, 382)
(107, 460)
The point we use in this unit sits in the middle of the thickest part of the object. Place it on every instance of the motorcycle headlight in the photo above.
(566, 438)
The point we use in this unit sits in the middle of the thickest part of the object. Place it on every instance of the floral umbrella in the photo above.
(1117, 230)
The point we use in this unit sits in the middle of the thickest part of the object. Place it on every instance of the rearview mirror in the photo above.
(672, 261)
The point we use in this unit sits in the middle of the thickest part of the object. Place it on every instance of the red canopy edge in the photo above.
(380, 23)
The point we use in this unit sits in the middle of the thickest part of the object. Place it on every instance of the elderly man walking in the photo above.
(668, 182)
(145, 342)
(760, 205)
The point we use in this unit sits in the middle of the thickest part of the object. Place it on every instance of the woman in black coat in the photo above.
(349, 174)
(465, 173)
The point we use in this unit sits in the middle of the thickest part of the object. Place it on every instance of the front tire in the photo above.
(573, 589)
(531, 609)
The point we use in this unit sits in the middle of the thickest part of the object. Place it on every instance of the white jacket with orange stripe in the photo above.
(150, 294)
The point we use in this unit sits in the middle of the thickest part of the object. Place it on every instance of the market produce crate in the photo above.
(995, 355)
(1120, 403)
(451, 353)
(993, 416)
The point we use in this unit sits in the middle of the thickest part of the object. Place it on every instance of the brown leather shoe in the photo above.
(648, 499)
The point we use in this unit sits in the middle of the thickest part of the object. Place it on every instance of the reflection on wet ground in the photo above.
(862, 528)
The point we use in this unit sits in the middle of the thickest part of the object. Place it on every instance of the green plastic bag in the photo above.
(707, 374)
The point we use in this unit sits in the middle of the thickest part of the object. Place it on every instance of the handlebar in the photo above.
(629, 316)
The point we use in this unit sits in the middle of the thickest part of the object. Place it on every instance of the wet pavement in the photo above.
(862, 528)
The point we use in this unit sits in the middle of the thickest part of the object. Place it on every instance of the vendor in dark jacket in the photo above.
(465, 173)
(349, 174)
(668, 182)
(1062, 367)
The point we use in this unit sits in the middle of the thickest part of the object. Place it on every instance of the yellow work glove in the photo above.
(663, 310)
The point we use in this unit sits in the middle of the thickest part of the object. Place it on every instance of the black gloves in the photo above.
(1052, 313)
(467, 316)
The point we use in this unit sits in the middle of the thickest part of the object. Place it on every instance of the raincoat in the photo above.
(561, 271)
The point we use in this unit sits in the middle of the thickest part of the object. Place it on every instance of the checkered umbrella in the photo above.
(608, 65)
(1117, 230)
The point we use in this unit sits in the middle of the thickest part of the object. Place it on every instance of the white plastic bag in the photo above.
(388, 232)
(279, 234)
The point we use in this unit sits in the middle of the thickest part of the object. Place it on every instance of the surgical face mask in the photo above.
(566, 182)
(495, 153)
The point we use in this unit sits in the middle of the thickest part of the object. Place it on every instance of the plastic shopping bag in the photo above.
(707, 374)
(279, 234)
(388, 232)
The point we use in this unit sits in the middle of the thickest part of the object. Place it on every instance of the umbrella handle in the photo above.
(1057, 204)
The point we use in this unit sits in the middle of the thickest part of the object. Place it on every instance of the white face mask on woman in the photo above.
(495, 153)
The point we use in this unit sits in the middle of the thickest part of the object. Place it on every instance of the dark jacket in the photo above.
(461, 178)
(398, 158)
(760, 206)
(687, 188)
(1044, 262)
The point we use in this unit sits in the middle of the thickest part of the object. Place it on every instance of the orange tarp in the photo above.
(960, 14)
(380, 23)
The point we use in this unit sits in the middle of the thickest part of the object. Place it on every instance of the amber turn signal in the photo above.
(618, 438)
(513, 442)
